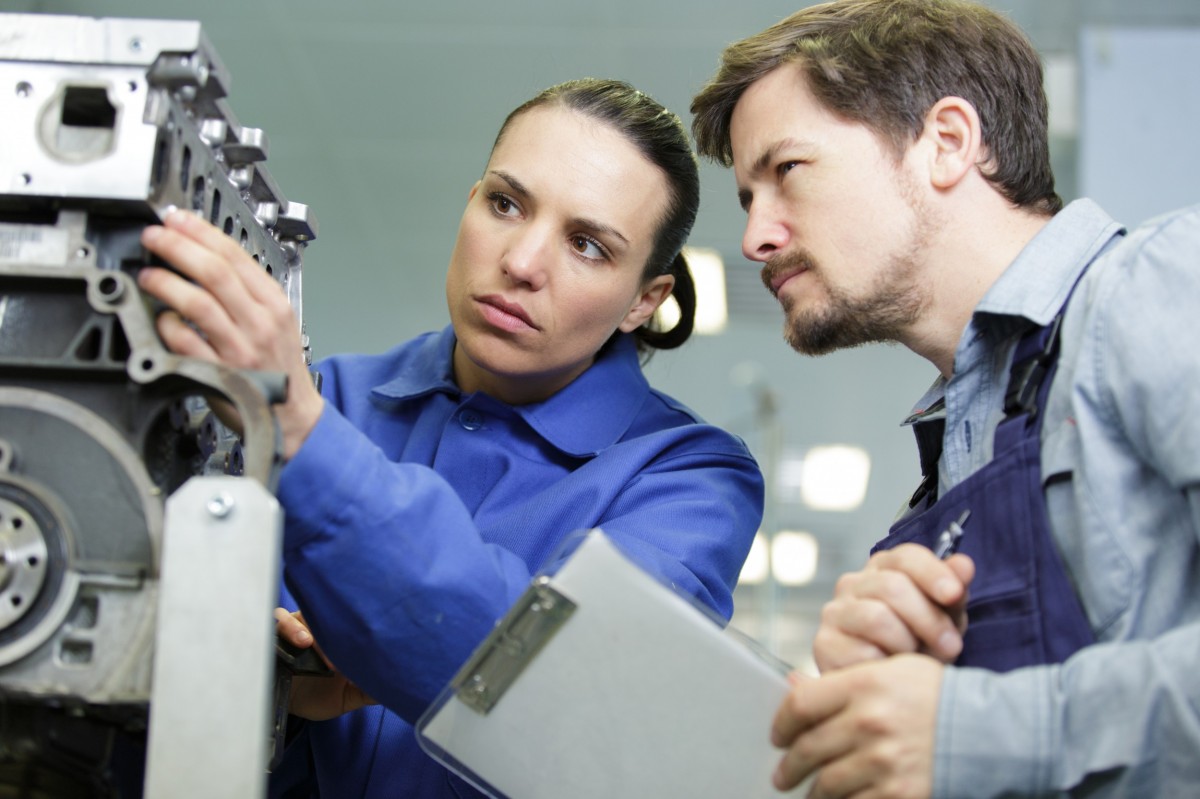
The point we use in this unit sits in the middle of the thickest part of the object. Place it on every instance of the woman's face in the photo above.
(550, 254)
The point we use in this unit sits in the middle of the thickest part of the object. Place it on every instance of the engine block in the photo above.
(106, 125)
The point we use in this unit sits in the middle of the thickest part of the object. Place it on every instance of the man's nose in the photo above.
(766, 232)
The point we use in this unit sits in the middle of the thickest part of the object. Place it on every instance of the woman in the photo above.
(425, 486)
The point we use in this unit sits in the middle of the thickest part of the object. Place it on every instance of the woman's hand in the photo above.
(228, 310)
(317, 698)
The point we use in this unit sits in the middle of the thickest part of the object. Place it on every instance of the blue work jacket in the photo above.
(416, 515)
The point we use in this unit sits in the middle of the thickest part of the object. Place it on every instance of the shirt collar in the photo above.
(1036, 284)
(931, 406)
(590, 414)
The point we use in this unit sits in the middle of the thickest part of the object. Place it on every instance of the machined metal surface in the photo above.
(130, 117)
(106, 125)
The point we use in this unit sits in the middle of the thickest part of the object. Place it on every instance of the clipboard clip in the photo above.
(511, 646)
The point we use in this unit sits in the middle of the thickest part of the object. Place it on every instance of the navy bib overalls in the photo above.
(1022, 608)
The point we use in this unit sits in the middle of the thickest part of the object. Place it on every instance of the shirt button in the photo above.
(470, 420)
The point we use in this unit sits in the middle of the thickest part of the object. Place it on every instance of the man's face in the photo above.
(840, 226)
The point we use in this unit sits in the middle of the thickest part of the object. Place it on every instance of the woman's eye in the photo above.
(502, 204)
(787, 166)
(587, 247)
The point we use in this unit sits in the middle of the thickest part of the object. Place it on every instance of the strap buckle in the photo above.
(1027, 374)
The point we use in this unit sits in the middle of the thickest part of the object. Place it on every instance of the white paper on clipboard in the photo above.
(602, 682)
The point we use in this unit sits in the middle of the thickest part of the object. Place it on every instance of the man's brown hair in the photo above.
(884, 64)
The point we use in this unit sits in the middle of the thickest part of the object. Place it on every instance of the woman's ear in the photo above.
(953, 129)
(653, 294)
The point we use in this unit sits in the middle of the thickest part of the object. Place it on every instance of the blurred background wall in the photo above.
(380, 116)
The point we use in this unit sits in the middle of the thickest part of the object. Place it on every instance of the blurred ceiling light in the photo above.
(835, 477)
(790, 477)
(708, 273)
(794, 557)
(758, 562)
(1062, 94)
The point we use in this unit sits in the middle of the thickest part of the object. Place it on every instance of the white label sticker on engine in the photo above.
(33, 245)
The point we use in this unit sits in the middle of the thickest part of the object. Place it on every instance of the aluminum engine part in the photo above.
(105, 126)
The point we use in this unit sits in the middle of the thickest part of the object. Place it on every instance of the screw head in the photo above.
(220, 505)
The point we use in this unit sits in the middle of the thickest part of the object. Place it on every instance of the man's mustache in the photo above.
(782, 265)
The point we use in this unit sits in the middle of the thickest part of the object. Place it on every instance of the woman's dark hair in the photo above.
(661, 137)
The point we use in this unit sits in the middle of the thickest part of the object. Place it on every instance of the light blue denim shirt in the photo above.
(1122, 717)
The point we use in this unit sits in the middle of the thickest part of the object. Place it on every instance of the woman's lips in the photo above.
(505, 315)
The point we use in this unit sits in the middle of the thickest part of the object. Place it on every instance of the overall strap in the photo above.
(1034, 360)
(929, 436)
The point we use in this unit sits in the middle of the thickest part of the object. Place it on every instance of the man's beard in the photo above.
(891, 306)
(886, 311)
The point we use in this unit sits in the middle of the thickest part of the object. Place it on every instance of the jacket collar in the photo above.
(589, 415)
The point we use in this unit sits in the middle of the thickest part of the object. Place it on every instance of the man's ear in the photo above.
(953, 129)
(653, 295)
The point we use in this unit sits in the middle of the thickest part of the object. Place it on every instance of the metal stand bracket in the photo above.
(211, 695)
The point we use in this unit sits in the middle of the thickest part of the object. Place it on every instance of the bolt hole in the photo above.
(109, 286)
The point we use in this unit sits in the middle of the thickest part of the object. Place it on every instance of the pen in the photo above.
(947, 541)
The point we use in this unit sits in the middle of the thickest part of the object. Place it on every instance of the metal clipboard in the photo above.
(602, 682)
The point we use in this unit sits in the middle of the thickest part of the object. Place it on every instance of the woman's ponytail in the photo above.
(684, 293)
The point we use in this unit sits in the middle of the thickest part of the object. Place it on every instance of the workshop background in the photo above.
(380, 115)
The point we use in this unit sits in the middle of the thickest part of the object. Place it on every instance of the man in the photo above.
(892, 159)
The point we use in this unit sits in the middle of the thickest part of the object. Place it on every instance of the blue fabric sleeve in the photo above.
(399, 586)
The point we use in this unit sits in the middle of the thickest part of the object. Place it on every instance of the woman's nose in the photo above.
(528, 257)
